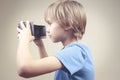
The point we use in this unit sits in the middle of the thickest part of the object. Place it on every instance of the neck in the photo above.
(68, 41)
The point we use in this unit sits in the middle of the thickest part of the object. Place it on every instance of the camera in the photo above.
(38, 31)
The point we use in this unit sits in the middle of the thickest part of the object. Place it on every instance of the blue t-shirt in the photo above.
(77, 61)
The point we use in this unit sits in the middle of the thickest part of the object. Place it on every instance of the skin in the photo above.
(27, 66)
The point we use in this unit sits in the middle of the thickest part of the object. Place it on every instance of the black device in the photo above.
(38, 31)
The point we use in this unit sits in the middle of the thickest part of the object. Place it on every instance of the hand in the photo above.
(38, 42)
(24, 33)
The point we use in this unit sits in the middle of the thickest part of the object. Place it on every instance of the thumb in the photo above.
(32, 38)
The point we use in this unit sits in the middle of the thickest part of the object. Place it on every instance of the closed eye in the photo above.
(48, 22)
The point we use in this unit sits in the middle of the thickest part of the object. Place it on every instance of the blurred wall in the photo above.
(102, 35)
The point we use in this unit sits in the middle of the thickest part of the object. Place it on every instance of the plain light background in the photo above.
(102, 35)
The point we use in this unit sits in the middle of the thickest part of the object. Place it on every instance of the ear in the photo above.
(68, 28)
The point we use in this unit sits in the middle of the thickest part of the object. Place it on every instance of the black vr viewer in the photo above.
(38, 31)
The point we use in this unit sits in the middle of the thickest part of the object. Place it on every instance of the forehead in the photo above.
(49, 15)
(50, 18)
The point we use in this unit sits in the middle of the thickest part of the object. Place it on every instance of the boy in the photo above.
(66, 24)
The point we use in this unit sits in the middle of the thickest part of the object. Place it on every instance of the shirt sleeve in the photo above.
(72, 58)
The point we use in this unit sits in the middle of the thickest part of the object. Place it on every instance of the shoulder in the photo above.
(72, 56)
(75, 47)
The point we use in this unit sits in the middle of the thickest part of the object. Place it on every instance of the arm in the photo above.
(41, 48)
(39, 67)
(27, 67)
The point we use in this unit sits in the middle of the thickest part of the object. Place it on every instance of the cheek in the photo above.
(57, 33)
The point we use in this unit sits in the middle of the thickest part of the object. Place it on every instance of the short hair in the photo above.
(68, 13)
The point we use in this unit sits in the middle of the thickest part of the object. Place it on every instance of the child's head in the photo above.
(68, 13)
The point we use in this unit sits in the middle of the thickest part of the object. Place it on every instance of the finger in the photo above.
(22, 25)
(27, 24)
(19, 26)
(19, 30)
(32, 38)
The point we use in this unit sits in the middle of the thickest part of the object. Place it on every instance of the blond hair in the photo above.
(68, 13)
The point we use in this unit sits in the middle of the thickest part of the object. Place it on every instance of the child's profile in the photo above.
(66, 21)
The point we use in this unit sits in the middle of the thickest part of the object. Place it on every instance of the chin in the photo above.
(55, 41)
